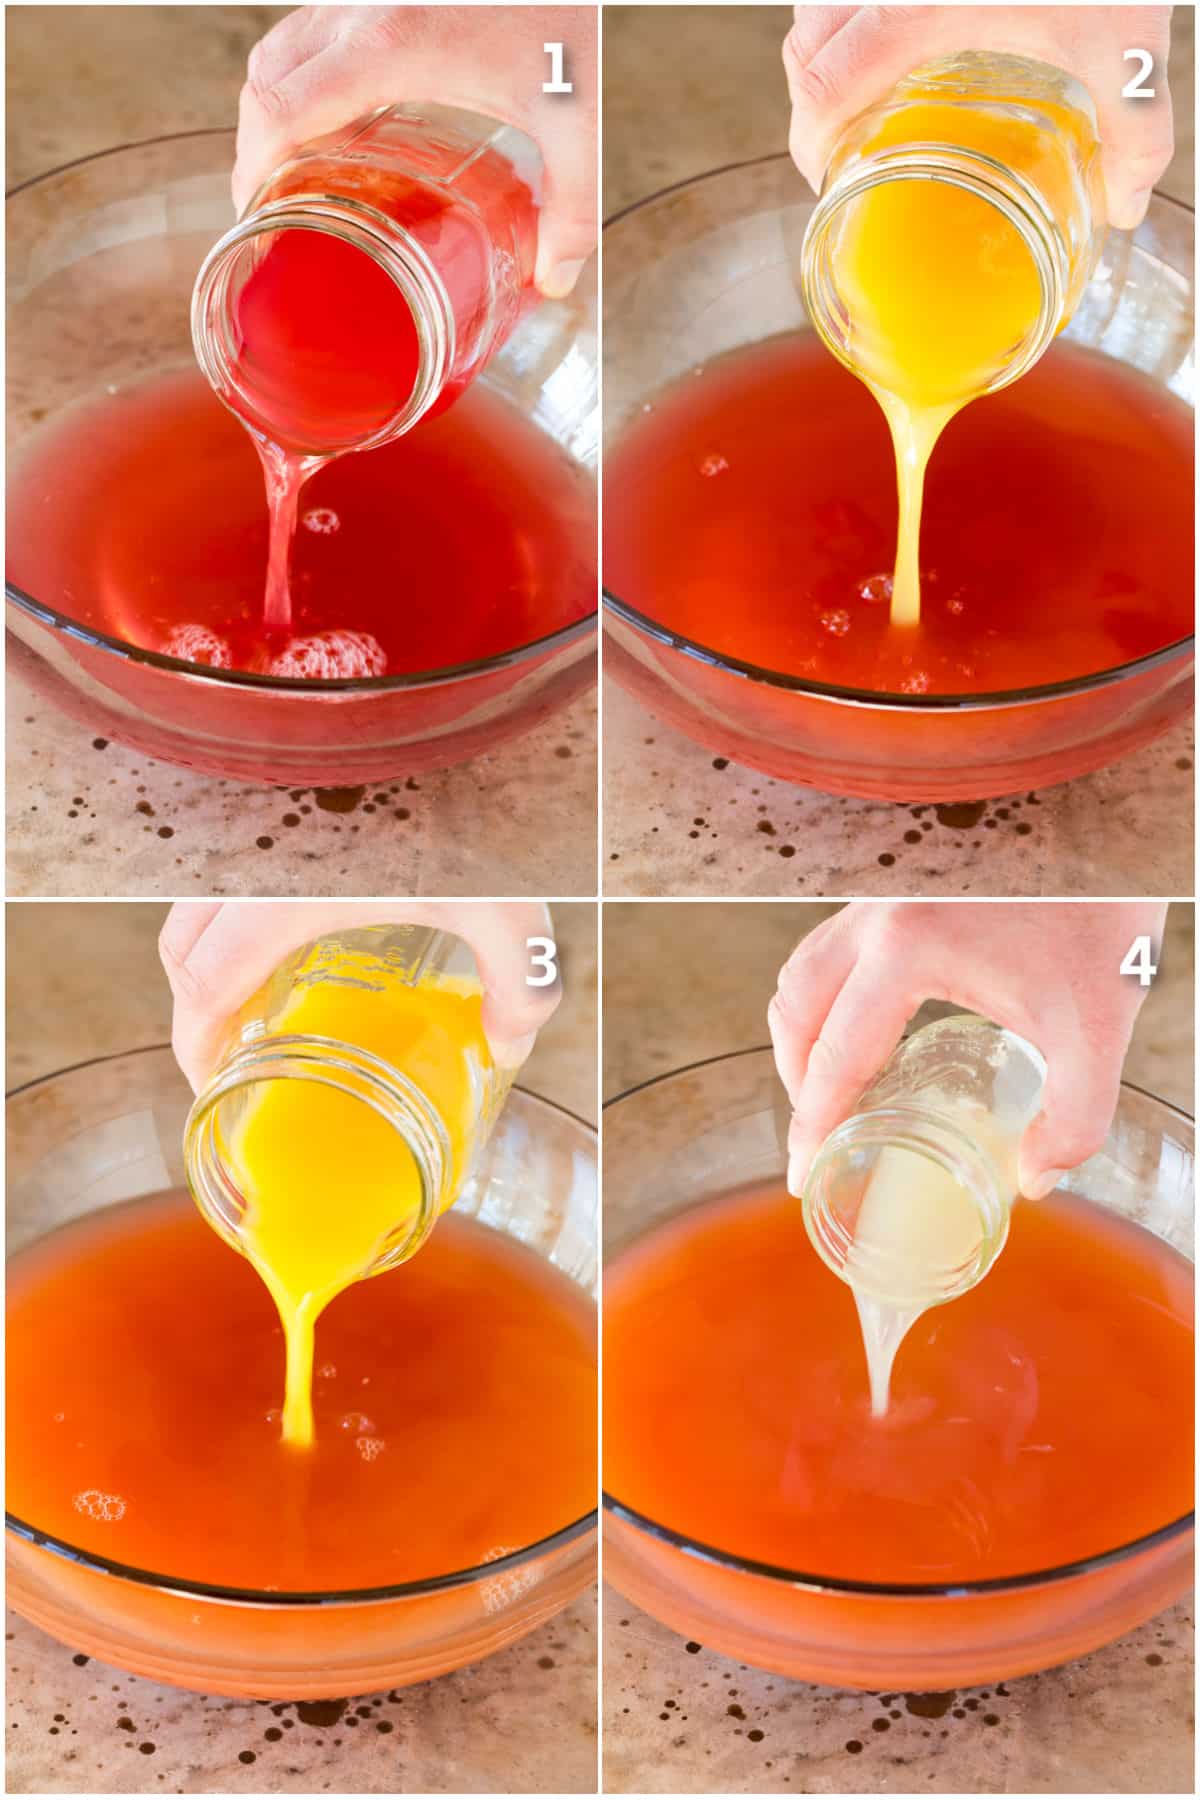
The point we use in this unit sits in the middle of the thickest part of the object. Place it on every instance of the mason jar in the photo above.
(440, 1104)
(908, 1200)
(443, 206)
(1018, 134)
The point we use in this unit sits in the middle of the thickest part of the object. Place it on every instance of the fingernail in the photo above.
(512, 1055)
(1043, 1184)
(558, 281)
(797, 1169)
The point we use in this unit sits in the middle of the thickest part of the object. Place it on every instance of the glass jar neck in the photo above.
(845, 1165)
(210, 1162)
(367, 230)
(972, 171)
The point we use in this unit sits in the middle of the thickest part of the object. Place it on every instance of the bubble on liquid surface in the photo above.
(956, 603)
(876, 590)
(106, 1509)
(716, 464)
(836, 623)
(358, 1423)
(369, 1447)
(198, 644)
(327, 1371)
(917, 683)
(321, 519)
(330, 655)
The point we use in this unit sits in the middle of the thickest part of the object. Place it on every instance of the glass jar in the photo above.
(414, 1056)
(1019, 135)
(908, 1200)
(371, 277)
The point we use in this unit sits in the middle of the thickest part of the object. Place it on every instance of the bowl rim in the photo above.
(61, 624)
(701, 1551)
(996, 700)
(262, 1598)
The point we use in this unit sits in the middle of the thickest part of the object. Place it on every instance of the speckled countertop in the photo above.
(687, 89)
(518, 821)
(682, 1719)
(84, 981)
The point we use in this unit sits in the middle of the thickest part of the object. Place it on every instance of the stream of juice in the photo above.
(327, 1181)
(753, 509)
(940, 290)
(141, 515)
(455, 1400)
(328, 350)
(1045, 1416)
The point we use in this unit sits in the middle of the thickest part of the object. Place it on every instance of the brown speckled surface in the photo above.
(691, 88)
(84, 981)
(682, 1719)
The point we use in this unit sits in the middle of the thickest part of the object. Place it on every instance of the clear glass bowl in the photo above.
(710, 266)
(112, 1130)
(703, 1131)
(102, 256)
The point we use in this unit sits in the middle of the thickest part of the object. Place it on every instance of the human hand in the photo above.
(218, 953)
(1048, 972)
(324, 66)
(840, 59)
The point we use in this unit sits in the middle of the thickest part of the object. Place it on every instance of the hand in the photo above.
(324, 66)
(1047, 972)
(840, 59)
(218, 953)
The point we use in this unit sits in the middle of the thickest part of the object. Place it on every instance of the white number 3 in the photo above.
(544, 954)
(1133, 90)
(1137, 961)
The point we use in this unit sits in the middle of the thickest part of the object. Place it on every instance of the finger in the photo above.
(244, 942)
(1136, 131)
(864, 1025)
(836, 74)
(808, 984)
(1083, 1079)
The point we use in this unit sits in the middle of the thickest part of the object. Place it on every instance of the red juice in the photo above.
(142, 515)
(753, 509)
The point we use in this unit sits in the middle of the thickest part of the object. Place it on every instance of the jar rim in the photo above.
(334, 1063)
(390, 246)
(973, 171)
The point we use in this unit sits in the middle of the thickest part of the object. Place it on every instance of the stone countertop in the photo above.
(92, 817)
(518, 821)
(678, 818)
(682, 1720)
(84, 981)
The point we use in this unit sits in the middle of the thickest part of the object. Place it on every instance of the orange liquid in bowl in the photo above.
(753, 510)
(454, 1400)
(1042, 1419)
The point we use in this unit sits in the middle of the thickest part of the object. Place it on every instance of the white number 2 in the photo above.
(1133, 90)
(544, 954)
(1137, 961)
(556, 84)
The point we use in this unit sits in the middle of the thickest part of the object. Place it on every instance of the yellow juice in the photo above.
(327, 1180)
(941, 289)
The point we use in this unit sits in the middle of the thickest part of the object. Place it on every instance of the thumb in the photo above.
(568, 222)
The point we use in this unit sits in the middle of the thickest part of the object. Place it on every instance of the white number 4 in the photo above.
(1133, 89)
(1137, 961)
(556, 84)
(544, 952)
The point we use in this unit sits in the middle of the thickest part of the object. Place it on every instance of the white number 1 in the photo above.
(1137, 961)
(556, 84)
(544, 953)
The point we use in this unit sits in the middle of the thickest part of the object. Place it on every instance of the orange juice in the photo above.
(330, 1186)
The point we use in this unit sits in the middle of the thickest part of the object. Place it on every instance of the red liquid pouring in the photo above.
(753, 509)
(332, 334)
(142, 516)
